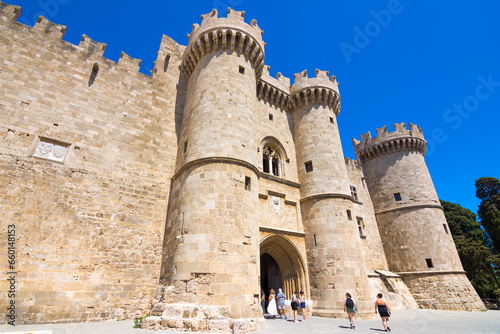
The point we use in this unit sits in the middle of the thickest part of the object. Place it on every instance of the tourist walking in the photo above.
(350, 307)
(271, 307)
(303, 305)
(281, 303)
(295, 304)
(384, 310)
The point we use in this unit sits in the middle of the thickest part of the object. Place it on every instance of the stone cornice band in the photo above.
(407, 207)
(216, 160)
(411, 144)
(329, 195)
(431, 273)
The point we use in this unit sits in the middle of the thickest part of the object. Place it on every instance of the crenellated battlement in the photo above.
(230, 33)
(352, 164)
(319, 90)
(274, 91)
(53, 31)
(9, 13)
(402, 139)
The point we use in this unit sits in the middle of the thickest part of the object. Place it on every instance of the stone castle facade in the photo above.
(184, 193)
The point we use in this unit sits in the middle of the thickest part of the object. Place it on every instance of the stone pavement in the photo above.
(409, 321)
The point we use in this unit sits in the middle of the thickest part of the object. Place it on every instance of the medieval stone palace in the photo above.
(185, 193)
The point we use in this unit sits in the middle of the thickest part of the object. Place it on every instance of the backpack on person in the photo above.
(349, 302)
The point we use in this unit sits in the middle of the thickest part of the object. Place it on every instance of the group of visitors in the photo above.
(277, 304)
(276, 307)
(381, 307)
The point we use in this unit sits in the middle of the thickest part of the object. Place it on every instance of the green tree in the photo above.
(477, 259)
(488, 191)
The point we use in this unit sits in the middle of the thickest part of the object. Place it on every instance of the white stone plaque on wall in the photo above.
(276, 205)
(51, 150)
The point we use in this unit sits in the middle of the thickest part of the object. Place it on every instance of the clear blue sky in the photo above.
(432, 63)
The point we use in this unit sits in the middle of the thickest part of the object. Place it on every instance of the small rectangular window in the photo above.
(354, 193)
(397, 197)
(309, 166)
(349, 215)
(361, 227)
(270, 117)
(185, 147)
(331, 120)
(248, 183)
(315, 243)
(242, 70)
(429, 263)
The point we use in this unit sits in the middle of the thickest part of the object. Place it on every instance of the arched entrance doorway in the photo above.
(281, 266)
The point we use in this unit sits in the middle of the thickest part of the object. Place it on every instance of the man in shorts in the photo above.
(281, 303)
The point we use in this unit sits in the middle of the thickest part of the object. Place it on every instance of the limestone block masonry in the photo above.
(190, 193)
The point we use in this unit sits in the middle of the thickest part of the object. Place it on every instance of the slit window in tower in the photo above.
(165, 63)
(93, 75)
(248, 183)
(349, 215)
(429, 263)
(270, 117)
(315, 243)
(331, 120)
(445, 228)
(354, 193)
(242, 70)
(397, 197)
(309, 166)
(185, 147)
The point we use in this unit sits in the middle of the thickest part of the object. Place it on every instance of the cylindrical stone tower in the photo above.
(414, 231)
(210, 254)
(334, 251)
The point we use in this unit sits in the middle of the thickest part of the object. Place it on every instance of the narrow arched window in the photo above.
(93, 75)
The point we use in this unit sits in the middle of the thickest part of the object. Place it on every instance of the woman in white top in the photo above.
(271, 308)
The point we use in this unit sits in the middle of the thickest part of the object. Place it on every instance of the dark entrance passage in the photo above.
(270, 275)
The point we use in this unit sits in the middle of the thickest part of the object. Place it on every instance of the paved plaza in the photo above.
(410, 321)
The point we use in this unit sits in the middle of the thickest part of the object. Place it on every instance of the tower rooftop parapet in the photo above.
(402, 139)
(230, 33)
(319, 90)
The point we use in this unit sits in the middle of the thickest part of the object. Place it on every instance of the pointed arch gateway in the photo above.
(282, 265)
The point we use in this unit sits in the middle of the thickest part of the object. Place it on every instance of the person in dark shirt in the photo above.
(384, 310)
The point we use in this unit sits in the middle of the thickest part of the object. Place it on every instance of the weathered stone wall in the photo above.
(334, 257)
(393, 289)
(443, 291)
(411, 236)
(373, 250)
(89, 225)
